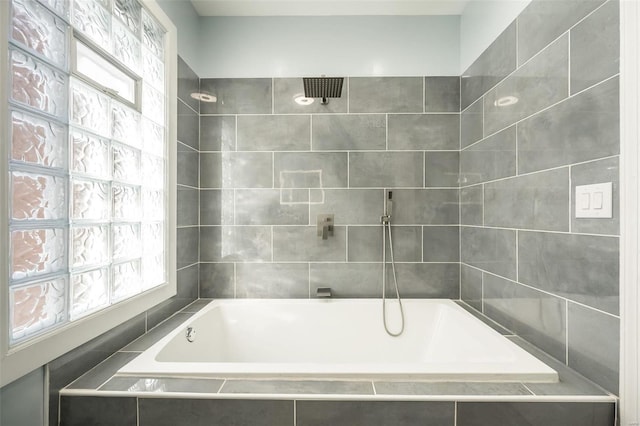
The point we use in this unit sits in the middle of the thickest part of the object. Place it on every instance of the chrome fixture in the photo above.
(323, 87)
(325, 226)
(190, 334)
(385, 219)
(323, 292)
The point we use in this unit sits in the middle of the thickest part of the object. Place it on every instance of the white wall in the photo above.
(187, 21)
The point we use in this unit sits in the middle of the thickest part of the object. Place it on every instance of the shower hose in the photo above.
(386, 225)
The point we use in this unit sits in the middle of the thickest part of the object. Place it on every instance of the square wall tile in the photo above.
(385, 94)
(442, 94)
(432, 132)
(350, 132)
(237, 95)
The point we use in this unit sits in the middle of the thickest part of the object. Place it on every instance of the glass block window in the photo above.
(87, 159)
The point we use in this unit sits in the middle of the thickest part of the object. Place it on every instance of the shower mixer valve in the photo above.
(325, 226)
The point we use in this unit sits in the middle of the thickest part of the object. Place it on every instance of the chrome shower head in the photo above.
(322, 87)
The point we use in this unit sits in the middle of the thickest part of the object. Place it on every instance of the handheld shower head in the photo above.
(388, 204)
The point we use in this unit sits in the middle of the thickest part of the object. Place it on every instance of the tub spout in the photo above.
(323, 292)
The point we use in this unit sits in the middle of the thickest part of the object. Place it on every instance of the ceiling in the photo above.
(327, 7)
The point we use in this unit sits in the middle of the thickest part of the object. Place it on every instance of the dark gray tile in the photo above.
(449, 388)
(425, 280)
(407, 243)
(187, 246)
(235, 244)
(165, 309)
(247, 170)
(217, 133)
(146, 341)
(98, 411)
(274, 133)
(162, 384)
(489, 159)
(535, 316)
(269, 207)
(582, 128)
(301, 243)
(217, 280)
(272, 280)
(441, 169)
(492, 250)
(237, 95)
(374, 413)
(535, 413)
(536, 201)
(211, 206)
(188, 126)
(494, 64)
(580, 267)
(386, 169)
(310, 169)
(441, 244)
(442, 94)
(188, 83)
(472, 205)
(188, 166)
(349, 132)
(347, 280)
(95, 377)
(385, 94)
(424, 131)
(26, 391)
(196, 306)
(595, 47)
(298, 387)
(211, 170)
(536, 85)
(594, 346)
(188, 206)
(471, 286)
(351, 206)
(485, 319)
(187, 282)
(472, 124)
(219, 412)
(364, 244)
(542, 21)
(286, 90)
(425, 207)
(606, 170)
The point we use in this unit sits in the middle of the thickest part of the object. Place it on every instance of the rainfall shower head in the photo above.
(322, 87)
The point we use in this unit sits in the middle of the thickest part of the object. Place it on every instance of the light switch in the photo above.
(585, 201)
(597, 200)
(594, 201)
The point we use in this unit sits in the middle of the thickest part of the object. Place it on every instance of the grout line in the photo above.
(424, 95)
(235, 280)
(386, 132)
(517, 257)
(568, 63)
(235, 145)
(571, 211)
(273, 95)
(566, 320)
(310, 132)
(482, 291)
(224, 382)
(309, 278)
(517, 22)
(373, 385)
(527, 387)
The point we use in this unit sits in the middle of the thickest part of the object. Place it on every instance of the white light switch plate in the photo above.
(594, 201)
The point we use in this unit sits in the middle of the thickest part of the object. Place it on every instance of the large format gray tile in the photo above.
(489, 159)
(95, 377)
(425, 207)
(364, 244)
(216, 207)
(188, 208)
(310, 169)
(425, 280)
(535, 316)
(286, 90)
(298, 387)
(441, 169)
(536, 201)
(349, 132)
(196, 306)
(594, 346)
(247, 170)
(583, 268)
(162, 384)
(274, 133)
(235, 244)
(210, 170)
(582, 128)
(449, 388)
(471, 205)
(471, 286)
(187, 282)
(386, 169)
(385, 94)
(536, 85)
(267, 207)
(606, 170)
(424, 132)
(351, 206)
(98, 411)
(217, 133)
(188, 165)
(441, 244)
(217, 280)
(347, 280)
(187, 246)
(494, 64)
(538, 413)
(188, 83)
(272, 280)
(492, 250)
(187, 126)
(542, 21)
(164, 310)
(472, 124)
(301, 243)
(374, 413)
(237, 95)
(145, 341)
(219, 412)
(484, 319)
(595, 47)
(406, 242)
(442, 94)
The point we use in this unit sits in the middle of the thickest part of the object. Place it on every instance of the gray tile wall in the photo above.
(527, 262)
(269, 166)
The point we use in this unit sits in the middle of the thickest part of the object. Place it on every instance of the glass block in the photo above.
(125, 125)
(91, 154)
(37, 251)
(126, 241)
(91, 200)
(38, 197)
(129, 12)
(153, 137)
(152, 171)
(152, 238)
(38, 141)
(126, 47)
(153, 204)
(36, 307)
(152, 104)
(35, 27)
(152, 70)
(89, 246)
(126, 280)
(126, 202)
(60, 7)
(152, 35)
(37, 85)
(89, 292)
(90, 108)
(94, 21)
(126, 164)
(153, 271)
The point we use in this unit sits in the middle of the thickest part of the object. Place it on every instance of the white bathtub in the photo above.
(341, 338)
